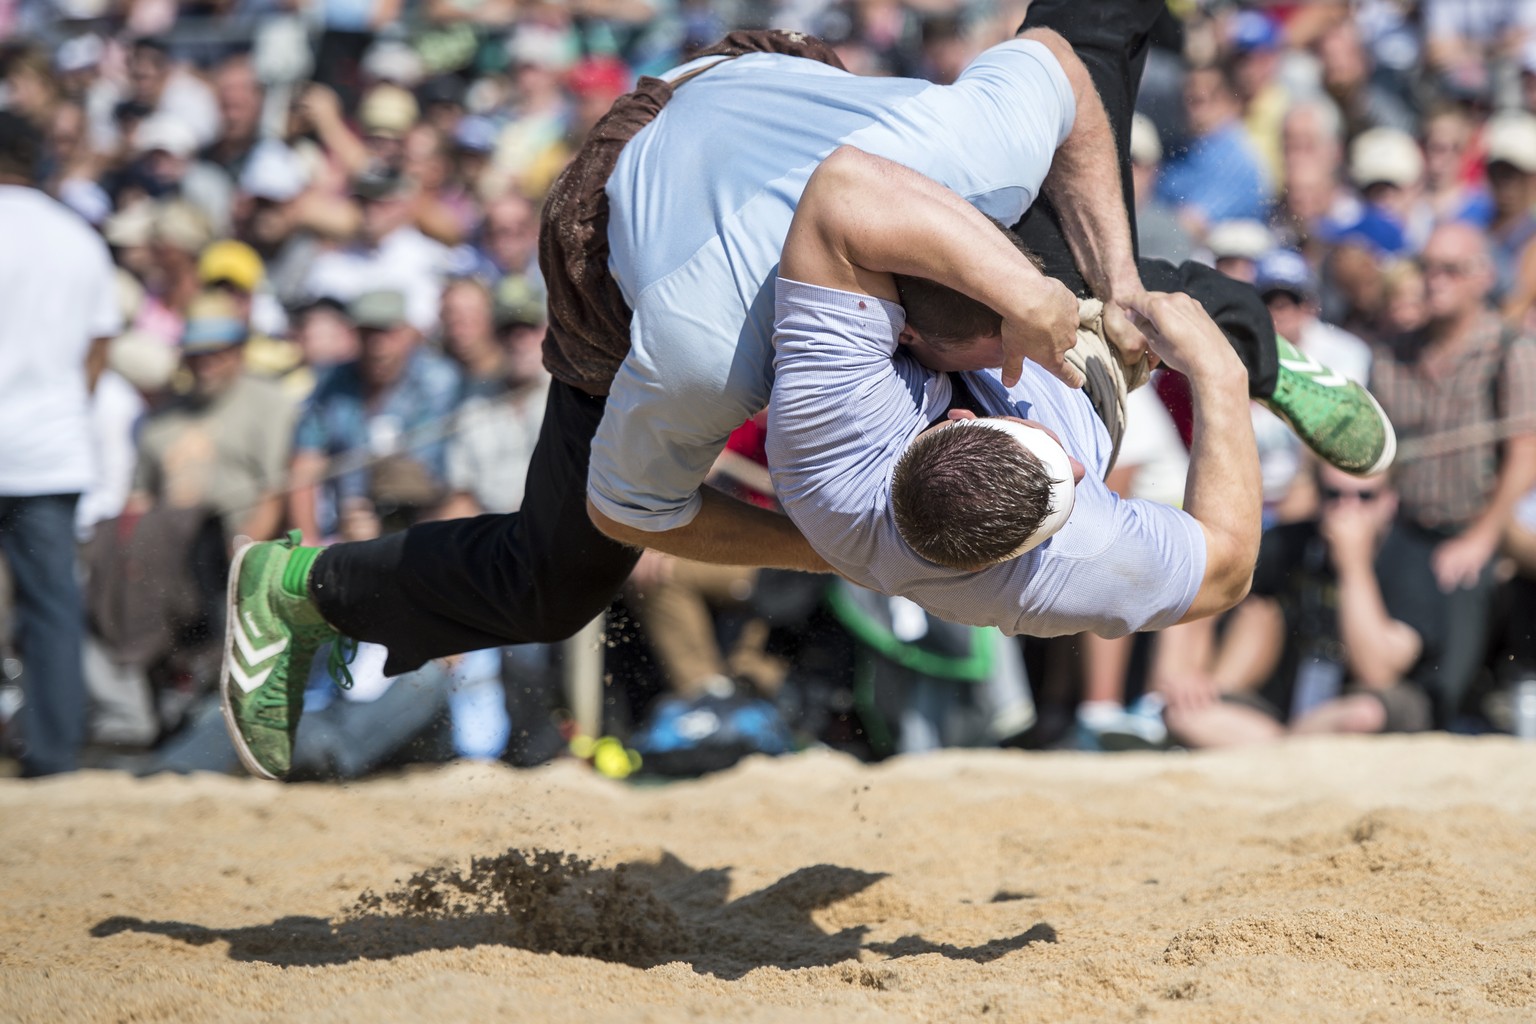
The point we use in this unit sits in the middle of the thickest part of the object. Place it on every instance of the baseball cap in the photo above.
(1371, 230)
(519, 301)
(1248, 31)
(132, 226)
(164, 132)
(86, 198)
(393, 60)
(214, 324)
(378, 183)
(476, 134)
(378, 310)
(542, 46)
(1385, 155)
(183, 226)
(231, 261)
(448, 89)
(273, 172)
(1284, 270)
(143, 360)
(387, 110)
(78, 54)
(1240, 239)
(599, 76)
(1146, 147)
(1511, 139)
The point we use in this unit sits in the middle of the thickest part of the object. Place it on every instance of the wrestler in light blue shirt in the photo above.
(847, 403)
(701, 201)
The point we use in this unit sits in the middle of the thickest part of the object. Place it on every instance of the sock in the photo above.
(294, 586)
(1285, 377)
(1099, 712)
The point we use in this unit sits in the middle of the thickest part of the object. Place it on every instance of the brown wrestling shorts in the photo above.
(588, 319)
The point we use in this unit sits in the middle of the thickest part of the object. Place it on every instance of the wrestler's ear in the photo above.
(909, 336)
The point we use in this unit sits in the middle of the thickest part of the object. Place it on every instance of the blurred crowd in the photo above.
(323, 312)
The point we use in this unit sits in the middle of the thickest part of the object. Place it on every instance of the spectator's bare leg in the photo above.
(1222, 724)
(1359, 712)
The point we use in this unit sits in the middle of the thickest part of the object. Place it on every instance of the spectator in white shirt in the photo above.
(56, 285)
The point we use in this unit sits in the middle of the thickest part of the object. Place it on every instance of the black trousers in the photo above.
(541, 574)
(535, 576)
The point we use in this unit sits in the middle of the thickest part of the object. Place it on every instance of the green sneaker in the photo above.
(271, 636)
(1335, 417)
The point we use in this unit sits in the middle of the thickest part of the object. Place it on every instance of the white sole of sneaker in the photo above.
(231, 592)
(1389, 452)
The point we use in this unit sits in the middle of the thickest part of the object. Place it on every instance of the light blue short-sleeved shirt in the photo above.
(845, 406)
(700, 203)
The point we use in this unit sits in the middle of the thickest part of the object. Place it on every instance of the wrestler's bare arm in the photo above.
(1224, 493)
(1085, 173)
(863, 218)
(725, 532)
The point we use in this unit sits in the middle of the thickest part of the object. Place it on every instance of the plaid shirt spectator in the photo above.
(1454, 409)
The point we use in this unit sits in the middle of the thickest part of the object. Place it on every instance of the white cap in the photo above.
(143, 360)
(1057, 465)
(395, 61)
(1146, 147)
(132, 226)
(1240, 239)
(1387, 155)
(273, 172)
(86, 198)
(542, 46)
(1511, 139)
(78, 53)
(165, 132)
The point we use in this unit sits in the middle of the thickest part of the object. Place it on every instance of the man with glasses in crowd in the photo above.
(1462, 394)
(1324, 643)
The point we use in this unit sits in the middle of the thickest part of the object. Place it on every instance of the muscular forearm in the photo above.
(1224, 492)
(725, 532)
(889, 219)
(1084, 186)
(1380, 648)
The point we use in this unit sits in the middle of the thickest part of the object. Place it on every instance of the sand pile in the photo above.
(1375, 880)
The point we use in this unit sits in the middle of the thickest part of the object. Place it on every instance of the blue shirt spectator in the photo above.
(391, 406)
(1219, 176)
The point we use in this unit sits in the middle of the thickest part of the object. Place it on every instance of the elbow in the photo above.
(1062, 50)
(1240, 587)
(847, 169)
(1232, 586)
(1230, 583)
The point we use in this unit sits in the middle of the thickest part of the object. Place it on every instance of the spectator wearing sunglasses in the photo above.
(1333, 638)
(1462, 393)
